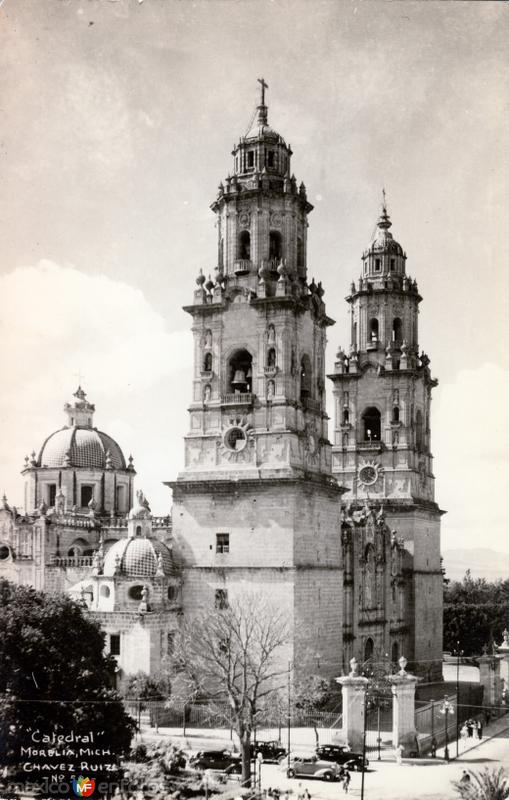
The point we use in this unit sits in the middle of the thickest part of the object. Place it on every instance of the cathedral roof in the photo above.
(138, 557)
(78, 444)
(81, 447)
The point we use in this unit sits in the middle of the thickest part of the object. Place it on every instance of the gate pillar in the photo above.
(353, 690)
(489, 676)
(403, 709)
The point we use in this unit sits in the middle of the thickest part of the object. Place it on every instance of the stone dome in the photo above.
(137, 558)
(81, 447)
(383, 240)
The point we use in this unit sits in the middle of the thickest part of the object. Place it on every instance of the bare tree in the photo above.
(233, 657)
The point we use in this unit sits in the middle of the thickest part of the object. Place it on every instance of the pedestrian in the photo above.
(307, 796)
(433, 748)
(479, 729)
(346, 781)
(465, 778)
(399, 754)
(464, 732)
(470, 728)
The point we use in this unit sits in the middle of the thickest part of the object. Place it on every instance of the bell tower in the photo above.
(256, 505)
(382, 448)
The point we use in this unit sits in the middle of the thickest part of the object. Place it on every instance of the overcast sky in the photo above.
(117, 120)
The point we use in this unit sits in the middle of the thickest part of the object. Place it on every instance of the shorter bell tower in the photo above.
(382, 438)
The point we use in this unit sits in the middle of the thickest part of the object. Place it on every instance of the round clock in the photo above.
(368, 474)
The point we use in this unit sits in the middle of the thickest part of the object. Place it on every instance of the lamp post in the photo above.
(259, 759)
(458, 654)
(446, 709)
(364, 745)
(289, 710)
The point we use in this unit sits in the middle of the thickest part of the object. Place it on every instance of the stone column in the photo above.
(489, 668)
(353, 690)
(403, 709)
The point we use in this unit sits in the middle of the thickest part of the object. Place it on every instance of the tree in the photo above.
(475, 613)
(55, 679)
(312, 695)
(143, 688)
(490, 784)
(232, 657)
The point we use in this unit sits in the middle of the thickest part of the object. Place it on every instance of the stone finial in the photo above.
(109, 463)
(402, 663)
(117, 564)
(159, 570)
(92, 505)
(43, 509)
(131, 463)
(33, 460)
(353, 668)
(143, 606)
(200, 280)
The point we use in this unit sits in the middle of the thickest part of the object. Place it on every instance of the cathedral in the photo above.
(342, 535)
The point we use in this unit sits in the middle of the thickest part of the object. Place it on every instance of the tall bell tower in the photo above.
(382, 448)
(256, 507)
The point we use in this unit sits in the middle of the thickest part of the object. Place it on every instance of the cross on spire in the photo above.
(263, 86)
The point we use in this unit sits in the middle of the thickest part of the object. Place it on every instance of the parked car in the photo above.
(220, 760)
(270, 751)
(341, 754)
(313, 767)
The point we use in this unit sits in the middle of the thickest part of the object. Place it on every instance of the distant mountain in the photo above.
(482, 563)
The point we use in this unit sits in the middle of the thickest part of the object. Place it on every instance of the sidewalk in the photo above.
(466, 745)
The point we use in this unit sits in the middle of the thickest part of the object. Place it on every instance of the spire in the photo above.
(384, 221)
(262, 108)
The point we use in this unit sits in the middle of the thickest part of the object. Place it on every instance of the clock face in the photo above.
(368, 474)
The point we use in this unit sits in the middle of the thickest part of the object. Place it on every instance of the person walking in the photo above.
(399, 754)
(479, 729)
(346, 781)
(470, 728)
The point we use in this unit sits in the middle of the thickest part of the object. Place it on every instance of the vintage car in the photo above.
(312, 767)
(220, 760)
(269, 751)
(341, 754)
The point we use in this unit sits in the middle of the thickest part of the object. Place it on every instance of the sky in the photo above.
(117, 120)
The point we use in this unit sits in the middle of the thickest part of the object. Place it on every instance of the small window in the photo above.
(393, 264)
(397, 330)
(373, 329)
(221, 599)
(250, 159)
(395, 414)
(87, 493)
(245, 245)
(138, 530)
(270, 158)
(105, 591)
(52, 493)
(172, 593)
(115, 644)
(207, 362)
(275, 245)
(136, 592)
(4, 552)
(346, 416)
(378, 265)
(271, 357)
(222, 542)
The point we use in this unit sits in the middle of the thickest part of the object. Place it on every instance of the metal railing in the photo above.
(237, 399)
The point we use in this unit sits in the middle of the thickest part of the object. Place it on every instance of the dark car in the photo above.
(270, 751)
(220, 760)
(340, 754)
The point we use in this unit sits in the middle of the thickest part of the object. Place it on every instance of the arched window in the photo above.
(138, 530)
(368, 649)
(395, 653)
(419, 442)
(373, 329)
(395, 414)
(275, 246)
(300, 252)
(207, 362)
(346, 416)
(240, 372)
(372, 424)
(397, 330)
(245, 245)
(305, 377)
(271, 357)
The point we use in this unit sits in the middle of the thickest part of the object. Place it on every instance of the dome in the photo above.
(138, 558)
(81, 447)
(383, 240)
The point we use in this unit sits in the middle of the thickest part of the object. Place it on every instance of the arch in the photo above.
(207, 362)
(419, 441)
(240, 372)
(395, 414)
(300, 252)
(271, 357)
(244, 249)
(138, 530)
(373, 329)
(395, 653)
(4, 552)
(275, 246)
(305, 377)
(346, 416)
(369, 648)
(397, 330)
(371, 419)
(77, 548)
